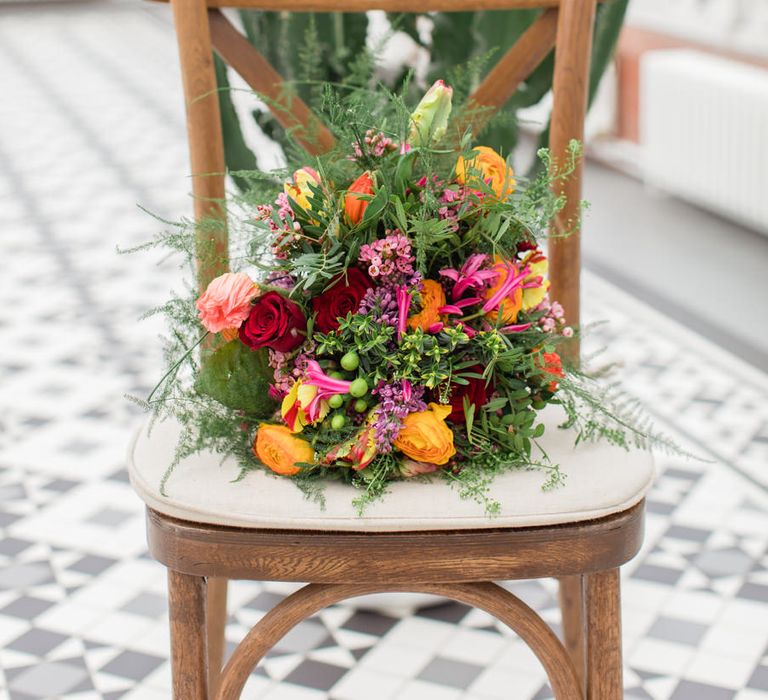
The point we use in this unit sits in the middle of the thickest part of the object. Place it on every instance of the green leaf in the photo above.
(469, 416)
(238, 378)
(375, 207)
(237, 155)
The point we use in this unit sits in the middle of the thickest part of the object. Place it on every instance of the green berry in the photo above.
(538, 404)
(338, 421)
(336, 401)
(358, 388)
(336, 375)
(350, 361)
(361, 405)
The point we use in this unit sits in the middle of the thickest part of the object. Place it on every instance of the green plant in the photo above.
(308, 49)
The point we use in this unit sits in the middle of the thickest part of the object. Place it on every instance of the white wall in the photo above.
(738, 25)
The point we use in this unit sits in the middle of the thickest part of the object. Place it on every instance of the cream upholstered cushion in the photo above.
(601, 480)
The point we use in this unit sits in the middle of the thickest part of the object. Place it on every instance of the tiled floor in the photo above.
(91, 125)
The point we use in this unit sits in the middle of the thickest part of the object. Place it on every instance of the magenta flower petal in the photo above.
(516, 328)
(450, 309)
(326, 386)
(403, 304)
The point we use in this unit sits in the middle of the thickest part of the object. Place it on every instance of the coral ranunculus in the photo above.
(489, 167)
(226, 302)
(355, 207)
(432, 300)
(343, 297)
(280, 450)
(425, 437)
(274, 322)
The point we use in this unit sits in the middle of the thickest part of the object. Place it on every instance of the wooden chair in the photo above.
(422, 538)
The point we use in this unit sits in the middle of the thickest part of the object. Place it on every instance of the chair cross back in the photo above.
(201, 28)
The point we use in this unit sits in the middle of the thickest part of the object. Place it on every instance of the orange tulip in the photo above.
(353, 205)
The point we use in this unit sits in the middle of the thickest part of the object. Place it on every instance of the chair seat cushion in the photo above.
(600, 480)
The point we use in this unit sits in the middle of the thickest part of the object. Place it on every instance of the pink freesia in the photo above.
(403, 304)
(226, 302)
(471, 276)
(515, 280)
(326, 387)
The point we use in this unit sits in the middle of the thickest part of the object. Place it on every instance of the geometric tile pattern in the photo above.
(94, 125)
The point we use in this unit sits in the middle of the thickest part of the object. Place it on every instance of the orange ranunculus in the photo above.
(295, 406)
(425, 437)
(510, 306)
(353, 205)
(489, 167)
(432, 299)
(280, 450)
(299, 190)
(552, 365)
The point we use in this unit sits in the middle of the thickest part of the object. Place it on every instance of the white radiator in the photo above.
(704, 132)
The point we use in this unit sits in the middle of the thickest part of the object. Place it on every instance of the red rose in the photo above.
(476, 391)
(274, 322)
(342, 298)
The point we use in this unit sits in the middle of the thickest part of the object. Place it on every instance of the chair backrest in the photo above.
(564, 24)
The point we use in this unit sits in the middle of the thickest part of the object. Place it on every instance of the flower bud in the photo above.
(430, 118)
(299, 190)
(355, 207)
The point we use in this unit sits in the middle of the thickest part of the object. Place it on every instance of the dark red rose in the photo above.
(340, 299)
(476, 391)
(274, 322)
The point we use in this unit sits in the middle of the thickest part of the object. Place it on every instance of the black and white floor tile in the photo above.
(93, 127)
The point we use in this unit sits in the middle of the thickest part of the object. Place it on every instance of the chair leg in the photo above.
(572, 611)
(186, 609)
(604, 664)
(216, 622)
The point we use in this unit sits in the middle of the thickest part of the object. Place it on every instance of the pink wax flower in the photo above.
(226, 302)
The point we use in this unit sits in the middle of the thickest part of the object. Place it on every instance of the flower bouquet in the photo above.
(391, 317)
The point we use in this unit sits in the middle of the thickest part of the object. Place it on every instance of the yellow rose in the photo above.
(280, 450)
(299, 190)
(533, 296)
(432, 299)
(489, 167)
(425, 437)
(510, 306)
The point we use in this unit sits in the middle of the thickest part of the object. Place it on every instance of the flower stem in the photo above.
(176, 366)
